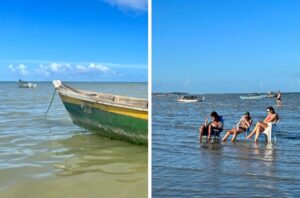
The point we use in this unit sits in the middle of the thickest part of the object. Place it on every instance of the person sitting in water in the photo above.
(241, 127)
(261, 126)
(212, 128)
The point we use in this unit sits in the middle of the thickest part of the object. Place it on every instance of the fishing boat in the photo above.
(189, 99)
(112, 116)
(23, 84)
(271, 95)
(253, 96)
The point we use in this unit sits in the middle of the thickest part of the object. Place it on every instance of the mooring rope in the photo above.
(50, 103)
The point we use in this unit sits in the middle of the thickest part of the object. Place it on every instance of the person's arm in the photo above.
(248, 122)
(265, 120)
(220, 125)
(206, 123)
(274, 118)
(240, 122)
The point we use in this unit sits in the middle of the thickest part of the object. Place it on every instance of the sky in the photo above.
(217, 46)
(78, 40)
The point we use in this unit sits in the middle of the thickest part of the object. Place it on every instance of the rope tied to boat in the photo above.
(50, 103)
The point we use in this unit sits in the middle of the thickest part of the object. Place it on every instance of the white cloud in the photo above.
(137, 5)
(56, 67)
(63, 68)
(19, 69)
(98, 67)
(82, 71)
(81, 68)
(48, 62)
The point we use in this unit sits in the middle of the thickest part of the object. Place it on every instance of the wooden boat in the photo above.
(253, 97)
(23, 84)
(189, 99)
(113, 116)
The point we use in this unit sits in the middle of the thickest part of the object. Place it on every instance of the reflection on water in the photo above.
(52, 157)
(183, 167)
(97, 154)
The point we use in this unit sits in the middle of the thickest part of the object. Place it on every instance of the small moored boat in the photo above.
(23, 84)
(189, 99)
(271, 95)
(253, 96)
(113, 116)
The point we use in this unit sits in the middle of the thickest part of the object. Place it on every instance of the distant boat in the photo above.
(169, 94)
(23, 84)
(113, 116)
(189, 99)
(253, 96)
(271, 95)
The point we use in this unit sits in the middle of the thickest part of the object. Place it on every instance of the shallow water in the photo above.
(52, 157)
(183, 167)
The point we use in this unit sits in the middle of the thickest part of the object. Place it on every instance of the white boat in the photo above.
(253, 97)
(189, 99)
(23, 84)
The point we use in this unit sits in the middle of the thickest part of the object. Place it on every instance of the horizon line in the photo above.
(189, 93)
(77, 81)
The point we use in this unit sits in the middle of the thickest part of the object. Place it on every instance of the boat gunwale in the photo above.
(253, 97)
(78, 94)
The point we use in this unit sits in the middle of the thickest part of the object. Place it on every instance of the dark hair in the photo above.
(248, 115)
(215, 115)
(271, 109)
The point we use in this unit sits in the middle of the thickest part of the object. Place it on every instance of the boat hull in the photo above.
(252, 97)
(188, 101)
(109, 121)
(27, 85)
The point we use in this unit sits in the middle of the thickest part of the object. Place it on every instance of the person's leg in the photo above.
(209, 132)
(257, 133)
(257, 127)
(235, 133)
(201, 131)
(261, 127)
(253, 131)
(226, 135)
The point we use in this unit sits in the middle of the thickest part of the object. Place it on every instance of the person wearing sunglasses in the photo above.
(261, 126)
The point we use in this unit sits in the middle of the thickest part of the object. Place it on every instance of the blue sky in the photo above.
(78, 40)
(217, 46)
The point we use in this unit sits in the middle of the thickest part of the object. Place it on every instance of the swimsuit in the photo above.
(268, 118)
(242, 129)
(214, 132)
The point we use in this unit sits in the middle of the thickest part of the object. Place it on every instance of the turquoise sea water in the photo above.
(52, 157)
(183, 167)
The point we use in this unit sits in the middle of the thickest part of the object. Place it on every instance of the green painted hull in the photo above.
(110, 124)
